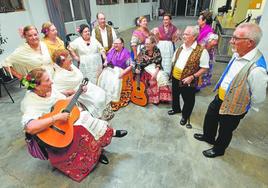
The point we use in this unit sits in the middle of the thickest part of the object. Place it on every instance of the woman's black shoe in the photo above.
(103, 159)
(120, 133)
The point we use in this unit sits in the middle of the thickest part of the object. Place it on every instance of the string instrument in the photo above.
(60, 134)
(138, 94)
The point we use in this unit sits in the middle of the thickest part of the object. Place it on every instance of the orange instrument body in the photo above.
(64, 136)
(60, 134)
(138, 94)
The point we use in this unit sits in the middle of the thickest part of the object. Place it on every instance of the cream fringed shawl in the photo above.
(24, 59)
(94, 98)
(65, 80)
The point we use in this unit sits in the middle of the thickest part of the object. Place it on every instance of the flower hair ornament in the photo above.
(138, 22)
(20, 30)
(44, 31)
(78, 29)
(28, 82)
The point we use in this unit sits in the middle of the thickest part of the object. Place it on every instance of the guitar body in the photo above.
(138, 94)
(62, 136)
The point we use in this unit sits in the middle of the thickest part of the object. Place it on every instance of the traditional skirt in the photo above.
(110, 82)
(167, 50)
(80, 158)
(205, 79)
(91, 66)
(125, 92)
(95, 100)
(156, 94)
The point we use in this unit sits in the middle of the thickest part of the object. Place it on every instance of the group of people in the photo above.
(46, 66)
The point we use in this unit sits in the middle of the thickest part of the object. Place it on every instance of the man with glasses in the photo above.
(190, 61)
(242, 86)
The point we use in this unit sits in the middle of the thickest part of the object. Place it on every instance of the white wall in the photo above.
(264, 25)
(123, 15)
(35, 14)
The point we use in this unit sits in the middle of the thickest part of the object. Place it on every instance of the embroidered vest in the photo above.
(109, 36)
(237, 97)
(192, 64)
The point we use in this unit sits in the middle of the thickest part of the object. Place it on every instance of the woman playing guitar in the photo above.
(80, 157)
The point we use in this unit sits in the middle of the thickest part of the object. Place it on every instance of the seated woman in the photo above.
(152, 72)
(117, 86)
(51, 38)
(68, 78)
(87, 52)
(90, 134)
(32, 54)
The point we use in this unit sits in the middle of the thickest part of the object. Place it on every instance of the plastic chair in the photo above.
(69, 37)
(6, 80)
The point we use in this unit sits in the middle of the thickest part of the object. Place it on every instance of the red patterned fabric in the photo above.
(156, 94)
(82, 155)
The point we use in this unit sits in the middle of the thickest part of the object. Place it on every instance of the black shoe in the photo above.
(103, 159)
(120, 133)
(201, 137)
(211, 153)
(183, 121)
(172, 112)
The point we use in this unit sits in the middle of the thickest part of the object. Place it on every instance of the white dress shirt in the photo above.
(185, 54)
(104, 36)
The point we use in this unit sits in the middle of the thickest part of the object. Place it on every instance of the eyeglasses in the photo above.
(186, 34)
(234, 38)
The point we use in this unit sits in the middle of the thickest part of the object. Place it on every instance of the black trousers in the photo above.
(224, 124)
(188, 96)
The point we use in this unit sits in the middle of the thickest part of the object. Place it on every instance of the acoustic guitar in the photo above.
(138, 94)
(60, 134)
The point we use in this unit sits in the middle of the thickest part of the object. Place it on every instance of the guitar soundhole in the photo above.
(138, 88)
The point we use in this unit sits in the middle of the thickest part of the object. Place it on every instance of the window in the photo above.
(130, 1)
(77, 8)
(106, 2)
(11, 5)
(155, 1)
(145, 1)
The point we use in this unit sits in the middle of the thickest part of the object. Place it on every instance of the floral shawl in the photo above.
(156, 58)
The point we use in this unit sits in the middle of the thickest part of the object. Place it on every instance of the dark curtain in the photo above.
(87, 11)
(167, 5)
(56, 16)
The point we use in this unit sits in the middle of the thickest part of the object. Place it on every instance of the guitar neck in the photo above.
(138, 76)
(138, 79)
(73, 101)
